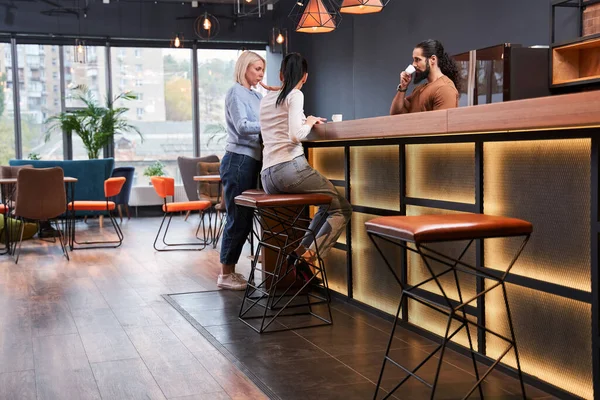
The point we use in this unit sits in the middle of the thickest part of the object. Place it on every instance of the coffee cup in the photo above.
(336, 117)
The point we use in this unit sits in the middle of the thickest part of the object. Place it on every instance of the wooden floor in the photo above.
(97, 327)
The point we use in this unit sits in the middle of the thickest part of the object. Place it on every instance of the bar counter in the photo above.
(533, 159)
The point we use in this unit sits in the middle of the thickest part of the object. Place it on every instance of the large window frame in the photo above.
(107, 44)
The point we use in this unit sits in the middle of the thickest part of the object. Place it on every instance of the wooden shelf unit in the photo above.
(577, 62)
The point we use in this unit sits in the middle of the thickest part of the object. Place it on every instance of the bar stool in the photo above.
(283, 224)
(427, 229)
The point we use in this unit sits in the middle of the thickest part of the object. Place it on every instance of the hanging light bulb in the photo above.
(80, 53)
(248, 1)
(362, 6)
(206, 26)
(177, 42)
(280, 39)
(206, 23)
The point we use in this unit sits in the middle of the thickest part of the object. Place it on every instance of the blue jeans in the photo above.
(297, 176)
(238, 174)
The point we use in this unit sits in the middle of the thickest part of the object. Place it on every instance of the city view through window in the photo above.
(160, 80)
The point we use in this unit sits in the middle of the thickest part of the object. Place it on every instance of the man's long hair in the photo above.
(447, 65)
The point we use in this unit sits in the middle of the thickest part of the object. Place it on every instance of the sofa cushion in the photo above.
(90, 174)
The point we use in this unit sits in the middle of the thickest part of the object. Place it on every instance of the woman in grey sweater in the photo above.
(241, 164)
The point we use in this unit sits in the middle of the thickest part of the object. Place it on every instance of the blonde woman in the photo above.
(241, 164)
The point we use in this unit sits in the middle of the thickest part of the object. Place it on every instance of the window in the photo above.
(7, 132)
(40, 99)
(138, 68)
(162, 110)
(91, 74)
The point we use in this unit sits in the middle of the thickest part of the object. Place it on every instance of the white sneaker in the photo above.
(232, 281)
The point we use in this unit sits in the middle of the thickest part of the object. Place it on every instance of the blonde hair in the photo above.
(242, 64)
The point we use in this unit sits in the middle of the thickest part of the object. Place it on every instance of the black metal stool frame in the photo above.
(286, 218)
(451, 310)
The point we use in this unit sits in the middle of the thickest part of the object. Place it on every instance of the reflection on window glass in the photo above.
(161, 81)
(215, 77)
(92, 74)
(39, 99)
(7, 133)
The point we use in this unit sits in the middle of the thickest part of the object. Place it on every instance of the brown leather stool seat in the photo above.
(283, 222)
(424, 230)
(258, 199)
(441, 228)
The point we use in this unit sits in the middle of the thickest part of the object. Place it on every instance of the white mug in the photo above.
(336, 117)
(410, 69)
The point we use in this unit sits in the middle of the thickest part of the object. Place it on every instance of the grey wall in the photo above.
(355, 69)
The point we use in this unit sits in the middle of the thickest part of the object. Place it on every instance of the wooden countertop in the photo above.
(543, 113)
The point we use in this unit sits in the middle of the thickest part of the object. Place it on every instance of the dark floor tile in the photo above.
(358, 391)
(238, 332)
(307, 374)
(275, 351)
(209, 300)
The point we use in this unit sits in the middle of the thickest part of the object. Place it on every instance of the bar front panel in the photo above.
(372, 282)
(553, 336)
(546, 183)
(375, 177)
(441, 171)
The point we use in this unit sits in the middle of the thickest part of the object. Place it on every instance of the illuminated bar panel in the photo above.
(553, 333)
(337, 271)
(436, 322)
(329, 161)
(373, 283)
(548, 184)
(441, 172)
(375, 176)
(418, 271)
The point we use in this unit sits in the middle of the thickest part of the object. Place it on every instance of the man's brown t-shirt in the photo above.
(440, 94)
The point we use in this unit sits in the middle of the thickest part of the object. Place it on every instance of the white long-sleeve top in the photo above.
(282, 127)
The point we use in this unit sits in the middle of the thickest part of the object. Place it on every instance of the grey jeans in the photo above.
(297, 176)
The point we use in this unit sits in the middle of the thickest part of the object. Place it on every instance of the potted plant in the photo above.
(156, 169)
(94, 124)
(34, 156)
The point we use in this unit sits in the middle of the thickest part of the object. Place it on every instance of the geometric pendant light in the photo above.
(318, 16)
(362, 6)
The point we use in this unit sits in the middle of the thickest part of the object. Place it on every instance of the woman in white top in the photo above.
(286, 170)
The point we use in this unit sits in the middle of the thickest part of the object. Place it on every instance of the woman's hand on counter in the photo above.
(312, 120)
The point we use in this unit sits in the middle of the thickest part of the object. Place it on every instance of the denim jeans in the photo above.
(297, 176)
(238, 174)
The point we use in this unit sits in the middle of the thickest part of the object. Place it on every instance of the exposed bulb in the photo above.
(280, 39)
(80, 49)
(248, 1)
(206, 24)
(177, 41)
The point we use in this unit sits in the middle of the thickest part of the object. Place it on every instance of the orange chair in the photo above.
(112, 187)
(165, 187)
